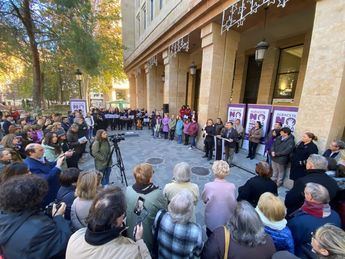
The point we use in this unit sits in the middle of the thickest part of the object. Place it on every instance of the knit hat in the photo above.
(60, 132)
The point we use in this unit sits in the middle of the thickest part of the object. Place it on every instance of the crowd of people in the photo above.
(49, 208)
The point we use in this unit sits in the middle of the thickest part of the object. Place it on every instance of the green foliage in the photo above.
(70, 34)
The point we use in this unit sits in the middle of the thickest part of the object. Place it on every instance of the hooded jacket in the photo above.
(32, 234)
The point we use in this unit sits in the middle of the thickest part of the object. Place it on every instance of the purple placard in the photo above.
(285, 115)
(236, 111)
(256, 113)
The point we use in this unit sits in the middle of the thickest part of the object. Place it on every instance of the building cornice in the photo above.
(201, 14)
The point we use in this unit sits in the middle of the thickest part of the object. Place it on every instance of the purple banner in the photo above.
(261, 113)
(287, 116)
(236, 111)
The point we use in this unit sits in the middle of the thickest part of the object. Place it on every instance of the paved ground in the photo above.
(138, 149)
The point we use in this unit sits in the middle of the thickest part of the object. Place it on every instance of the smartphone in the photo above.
(139, 206)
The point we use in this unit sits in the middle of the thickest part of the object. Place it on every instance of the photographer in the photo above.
(101, 151)
(25, 231)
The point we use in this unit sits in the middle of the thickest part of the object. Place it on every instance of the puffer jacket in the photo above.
(193, 129)
(282, 239)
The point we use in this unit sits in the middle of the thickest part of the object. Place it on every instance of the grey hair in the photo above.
(318, 192)
(181, 207)
(182, 172)
(246, 226)
(31, 148)
(318, 161)
(340, 143)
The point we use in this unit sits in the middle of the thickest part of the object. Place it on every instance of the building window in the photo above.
(143, 9)
(160, 4)
(151, 9)
(288, 70)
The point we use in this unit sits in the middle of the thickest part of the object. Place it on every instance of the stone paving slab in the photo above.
(138, 149)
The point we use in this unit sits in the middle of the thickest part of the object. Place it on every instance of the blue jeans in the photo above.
(89, 133)
(179, 139)
(193, 144)
(106, 174)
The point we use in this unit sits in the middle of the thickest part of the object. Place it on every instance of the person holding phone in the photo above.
(144, 200)
(26, 232)
(102, 238)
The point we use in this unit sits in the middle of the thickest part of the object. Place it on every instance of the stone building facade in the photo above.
(304, 65)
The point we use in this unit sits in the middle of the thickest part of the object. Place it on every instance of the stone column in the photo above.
(239, 78)
(218, 60)
(175, 83)
(151, 88)
(140, 81)
(159, 87)
(132, 91)
(322, 105)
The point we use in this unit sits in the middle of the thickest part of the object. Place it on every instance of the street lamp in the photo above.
(192, 69)
(260, 51)
(78, 76)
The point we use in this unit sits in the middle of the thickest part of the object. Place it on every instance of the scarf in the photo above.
(275, 225)
(144, 188)
(316, 209)
(102, 237)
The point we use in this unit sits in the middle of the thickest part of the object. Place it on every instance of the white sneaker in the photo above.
(190, 148)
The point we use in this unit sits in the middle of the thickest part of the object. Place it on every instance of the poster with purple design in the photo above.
(78, 104)
(287, 116)
(261, 113)
(236, 111)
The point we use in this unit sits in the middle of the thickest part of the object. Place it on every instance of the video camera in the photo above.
(116, 138)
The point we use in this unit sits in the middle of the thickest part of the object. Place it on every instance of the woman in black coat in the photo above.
(254, 187)
(210, 132)
(302, 151)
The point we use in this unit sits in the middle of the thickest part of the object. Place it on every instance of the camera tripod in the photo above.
(119, 162)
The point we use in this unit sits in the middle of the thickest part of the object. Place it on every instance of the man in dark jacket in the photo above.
(230, 136)
(314, 213)
(25, 231)
(334, 149)
(73, 143)
(280, 153)
(47, 170)
(316, 168)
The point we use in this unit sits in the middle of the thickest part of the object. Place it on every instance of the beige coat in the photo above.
(121, 247)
